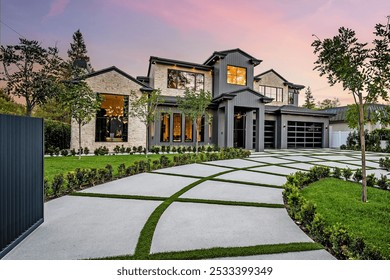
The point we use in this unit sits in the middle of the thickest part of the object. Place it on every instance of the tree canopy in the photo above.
(362, 69)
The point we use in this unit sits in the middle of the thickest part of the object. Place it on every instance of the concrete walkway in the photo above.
(93, 227)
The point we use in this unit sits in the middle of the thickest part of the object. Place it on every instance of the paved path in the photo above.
(226, 204)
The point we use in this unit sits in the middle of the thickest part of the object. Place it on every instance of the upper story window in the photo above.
(236, 75)
(291, 97)
(273, 92)
(182, 80)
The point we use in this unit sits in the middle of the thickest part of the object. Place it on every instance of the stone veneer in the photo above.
(111, 82)
(159, 79)
(272, 80)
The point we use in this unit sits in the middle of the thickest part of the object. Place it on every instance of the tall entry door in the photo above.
(239, 129)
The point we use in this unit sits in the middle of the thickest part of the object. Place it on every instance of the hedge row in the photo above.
(84, 178)
(57, 135)
(334, 237)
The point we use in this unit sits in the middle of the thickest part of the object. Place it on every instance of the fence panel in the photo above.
(338, 138)
(21, 179)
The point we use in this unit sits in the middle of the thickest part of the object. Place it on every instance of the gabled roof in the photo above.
(340, 113)
(221, 54)
(144, 87)
(287, 83)
(173, 62)
(295, 110)
(230, 95)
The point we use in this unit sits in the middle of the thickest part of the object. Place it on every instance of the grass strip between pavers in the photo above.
(225, 252)
(245, 183)
(144, 243)
(119, 196)
(230, 203)
(177, 175)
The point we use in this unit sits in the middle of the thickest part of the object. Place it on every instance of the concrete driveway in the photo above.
(227, 204)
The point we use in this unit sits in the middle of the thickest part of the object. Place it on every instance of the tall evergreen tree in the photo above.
(79, 61)
(309, 99)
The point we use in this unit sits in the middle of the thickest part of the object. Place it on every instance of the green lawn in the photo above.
(57, 165)
(340, 201)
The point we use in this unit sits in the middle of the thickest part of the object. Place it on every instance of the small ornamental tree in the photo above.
(144, 107)
(82, 103)
(194, 104)
(309, 99)
(31, 72)
(363, 70)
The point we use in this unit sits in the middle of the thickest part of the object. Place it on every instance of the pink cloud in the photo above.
(57, 7)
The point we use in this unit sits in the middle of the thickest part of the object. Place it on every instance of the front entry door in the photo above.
(239, 129)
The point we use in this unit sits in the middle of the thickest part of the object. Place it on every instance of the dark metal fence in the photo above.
(21, 179)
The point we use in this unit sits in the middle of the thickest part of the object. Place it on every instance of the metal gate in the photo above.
(21, 179)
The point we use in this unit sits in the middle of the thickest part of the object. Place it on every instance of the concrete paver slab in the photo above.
(379, 172)
(304, 166)
(189, 226)
(305, 255)
(336, 158)
(337, 164)
(236, 163)
(300, 158)
(147, 184)
(85, 227)
(276, 169)
(368, 163)
(254, 177)
(235, 192)
(272, 160)
(200, 170)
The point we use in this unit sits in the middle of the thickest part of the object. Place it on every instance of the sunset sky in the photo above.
(125, 33)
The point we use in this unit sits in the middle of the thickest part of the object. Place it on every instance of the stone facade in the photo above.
(110, 82)
(159, 79)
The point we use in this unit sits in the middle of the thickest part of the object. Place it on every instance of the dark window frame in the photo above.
(246, 75)
(171, 72)
(181, 128)
(162, 127)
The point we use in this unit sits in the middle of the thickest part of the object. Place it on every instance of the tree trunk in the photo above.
(147, 140)
(363, 148)
(28, 108)
(196, 135)
(79, 140)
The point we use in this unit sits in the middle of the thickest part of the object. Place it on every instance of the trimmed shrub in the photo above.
(347, 173)
(336, 172)
(57, 184)
(383, 183)
(121, 170)
(358, 176)
(339, 240)
(86, 151)
(64, 153)
(371, 180)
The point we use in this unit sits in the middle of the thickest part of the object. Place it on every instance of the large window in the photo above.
(273, 92)
(201, 130)
(165, 123)
(189, 134)
(182, 80)
(176, 127)
(112, 119)
(236, 75)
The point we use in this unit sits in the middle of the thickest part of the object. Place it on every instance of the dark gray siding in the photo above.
(21, 178)
(220, 73)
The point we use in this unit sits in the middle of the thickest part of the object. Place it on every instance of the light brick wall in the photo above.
(272, 80)
(159, 76)
(111, 83)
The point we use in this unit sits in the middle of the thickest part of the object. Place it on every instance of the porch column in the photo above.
(229, 123)
(260, 130)
(249, 130)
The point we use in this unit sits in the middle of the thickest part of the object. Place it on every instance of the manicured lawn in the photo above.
(339, 201)
(57, 165)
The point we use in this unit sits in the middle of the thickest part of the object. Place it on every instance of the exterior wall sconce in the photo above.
(326, 127)
(284, 126)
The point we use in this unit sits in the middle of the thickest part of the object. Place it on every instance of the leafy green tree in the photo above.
(144, 107)
(31, 72)
(54, 110)
(82, 103)
(194, 104)
(362, 69)
(328, 103)
(309, 99)
(8, 106)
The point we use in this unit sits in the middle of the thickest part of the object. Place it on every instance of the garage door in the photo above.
(304, 135)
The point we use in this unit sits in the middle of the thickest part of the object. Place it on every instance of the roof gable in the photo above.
(232, 94)
(222, 54)
(117, 70)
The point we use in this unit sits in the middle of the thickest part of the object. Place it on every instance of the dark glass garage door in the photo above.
(304, 135)
(269, 135)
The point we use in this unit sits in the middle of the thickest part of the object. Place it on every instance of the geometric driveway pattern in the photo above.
(226, 204)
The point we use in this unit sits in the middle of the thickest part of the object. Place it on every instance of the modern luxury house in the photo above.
(251, 112)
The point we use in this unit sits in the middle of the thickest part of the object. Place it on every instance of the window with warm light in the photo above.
(112, 118)
(201, 130)
(236, 75)
(189, 134)
(165, 123)
(176, 127)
